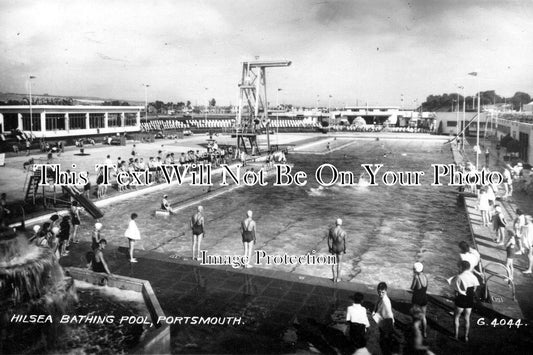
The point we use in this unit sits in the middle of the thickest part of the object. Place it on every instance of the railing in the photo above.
(507, 278)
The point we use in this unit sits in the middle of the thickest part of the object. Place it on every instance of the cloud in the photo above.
(372, 50)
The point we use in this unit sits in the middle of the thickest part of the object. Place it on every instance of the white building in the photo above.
(49, 121)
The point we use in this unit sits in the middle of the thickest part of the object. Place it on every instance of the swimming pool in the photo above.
(389, 227)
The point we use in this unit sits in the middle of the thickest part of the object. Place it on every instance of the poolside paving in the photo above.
(284, 312)
(517, 303)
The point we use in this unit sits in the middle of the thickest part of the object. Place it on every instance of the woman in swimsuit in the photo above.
(337, 245)
(98, 263)
(248, 238)
(419, 287)
(197, 226)
(75, 217)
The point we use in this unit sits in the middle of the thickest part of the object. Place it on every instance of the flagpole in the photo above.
(478, 113)
(464, 118)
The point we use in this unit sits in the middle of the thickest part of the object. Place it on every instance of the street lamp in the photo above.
(478, 149)
(146, 86)
(277, 114)
(206, 106)
(31, 112)
(329, 114)
(464, 114)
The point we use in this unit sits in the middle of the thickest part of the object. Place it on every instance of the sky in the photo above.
(343, 52)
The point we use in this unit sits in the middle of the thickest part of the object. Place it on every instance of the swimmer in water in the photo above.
(363, 180)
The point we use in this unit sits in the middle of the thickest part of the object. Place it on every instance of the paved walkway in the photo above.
(515, 303)
(285, 312)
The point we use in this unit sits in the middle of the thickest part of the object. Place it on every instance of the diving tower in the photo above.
(253, 96)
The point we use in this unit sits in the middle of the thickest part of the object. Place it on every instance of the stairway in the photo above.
(33, 185)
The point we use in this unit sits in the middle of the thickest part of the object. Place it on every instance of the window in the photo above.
(27, 125)
(55, 121)
(451, 124)
(96, 120)
(131, 119)
(11, 121)
(114, 119)
(77, 120)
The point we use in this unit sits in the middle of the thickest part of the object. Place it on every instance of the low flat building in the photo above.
(451, 123)
(373, 114)
(50, 121)
(520, 127)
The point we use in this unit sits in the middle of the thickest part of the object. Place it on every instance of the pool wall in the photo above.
(157, 339)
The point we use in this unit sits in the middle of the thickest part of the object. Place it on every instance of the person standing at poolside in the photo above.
(528, 243)
(197, 225)
(133, 234)
(248, 237)
(96, 237)
(507, 183)
(75, 218)
(510, 245)
(464, 285)
(98, 264)
(357, 320)
(499, 223)
(419, 286)
(3, 210)
(384, 317)
(518, 225)
(483, 205)
(337, 247)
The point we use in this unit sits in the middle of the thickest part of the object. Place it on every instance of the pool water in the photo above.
(389, 227)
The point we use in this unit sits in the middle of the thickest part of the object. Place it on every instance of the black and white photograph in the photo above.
(266, 177)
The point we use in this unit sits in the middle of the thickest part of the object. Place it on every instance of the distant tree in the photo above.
(490, 97)
(212, 102)
(519, 99)
(188, 104)
(159, 105)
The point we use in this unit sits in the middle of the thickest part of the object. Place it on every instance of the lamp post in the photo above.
(146, 86)
(206, 107)
(478, 149)
(277, 114)
(416, 109)
(31, 111)
(329, 114)
(464, 113)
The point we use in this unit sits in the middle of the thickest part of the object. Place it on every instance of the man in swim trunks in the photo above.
(248, 237)
(337, 245)
(197, 227)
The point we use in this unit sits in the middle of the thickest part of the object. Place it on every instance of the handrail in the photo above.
(507, 278)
